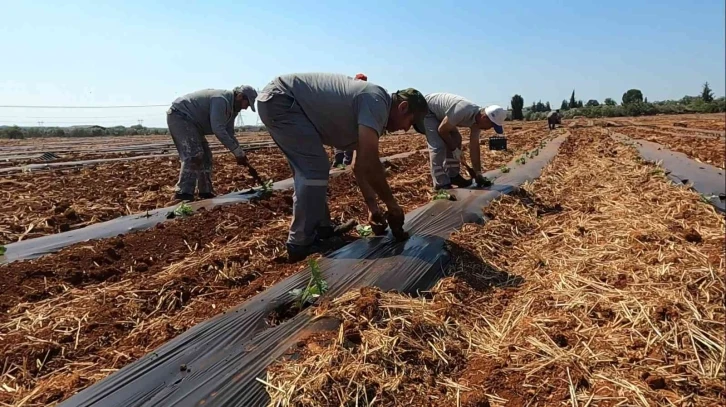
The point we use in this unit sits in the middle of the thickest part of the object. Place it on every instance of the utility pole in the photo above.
(40, 123)
(141, 122)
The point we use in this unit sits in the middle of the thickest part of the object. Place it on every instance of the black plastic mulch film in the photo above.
(217, 362)
(682, 170)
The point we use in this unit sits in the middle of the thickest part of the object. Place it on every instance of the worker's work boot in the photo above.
(445, 186)
(206, 195)
(297, 253)
(179, 196)
(460, 181)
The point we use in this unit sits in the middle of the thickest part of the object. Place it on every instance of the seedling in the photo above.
(535, 152)
(364, 231)
(2, 250)
(266, 188)
(504, 169)
(316, 287)
(184, 209)
(340, 166)
(522, 160)
(442, 194)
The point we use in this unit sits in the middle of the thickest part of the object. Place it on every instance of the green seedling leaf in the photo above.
(364, 231)
(2, 250)
(504, 169)
(184, 209)
(442, 194)
(316, 287)
(340, 166)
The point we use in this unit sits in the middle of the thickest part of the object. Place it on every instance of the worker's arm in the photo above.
(220, 113)
(369, 195)
(474, 149)
(368, 166)
(445, 129)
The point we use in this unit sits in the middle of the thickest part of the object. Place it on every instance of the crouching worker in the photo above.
(190, 118)
(446, 113)
(304, 113)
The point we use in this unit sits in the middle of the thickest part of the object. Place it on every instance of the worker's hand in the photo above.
(242, 160)
(395, 216)
(378, 222)
(457, 154)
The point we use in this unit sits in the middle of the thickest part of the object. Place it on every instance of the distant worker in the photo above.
(447, 112)
(344, 158)
(305, 112)
(554, 118)
(190, 118)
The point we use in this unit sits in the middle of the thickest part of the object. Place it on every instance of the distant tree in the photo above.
(547, 107)
(707, 93)
(579, 103)
(540, 107)
(564, 106)
(610, 102)
(573, 102)
(14, 132)
(517, 106)
(533, 108)
(592, 102)
(632, 96)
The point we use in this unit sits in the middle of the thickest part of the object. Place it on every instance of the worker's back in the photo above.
(196, 106)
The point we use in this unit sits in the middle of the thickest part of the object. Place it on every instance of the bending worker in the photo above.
(304, 113)
(553, 119)
(345, 157)
(446, 113)
(190, 118)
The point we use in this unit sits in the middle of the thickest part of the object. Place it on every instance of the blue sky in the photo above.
(149, 52)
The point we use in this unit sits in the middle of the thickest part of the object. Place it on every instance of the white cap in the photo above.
(497, 115)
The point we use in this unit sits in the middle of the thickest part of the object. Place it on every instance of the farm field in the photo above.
(127, 290)
(580, 289)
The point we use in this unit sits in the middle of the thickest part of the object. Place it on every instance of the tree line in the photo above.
(633, 103)
(16, 132)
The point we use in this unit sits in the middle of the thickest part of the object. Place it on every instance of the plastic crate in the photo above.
(498, 143)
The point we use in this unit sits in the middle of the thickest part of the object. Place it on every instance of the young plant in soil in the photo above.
(266, 188)
(364, 231)
(443, 194)
(316, 287)
(2, 250)
(184, 209)
(504, 169)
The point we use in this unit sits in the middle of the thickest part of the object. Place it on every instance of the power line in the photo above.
(78, 107)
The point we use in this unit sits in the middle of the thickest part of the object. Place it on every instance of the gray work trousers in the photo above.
(194, 154)
(443, 164)
(300, 141)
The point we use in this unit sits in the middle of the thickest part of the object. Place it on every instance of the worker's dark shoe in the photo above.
(206, 195)
(297, 253)
(445, 186)
(183, 197)
(460, 181)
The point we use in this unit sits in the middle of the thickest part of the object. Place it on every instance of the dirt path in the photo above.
(601, 285)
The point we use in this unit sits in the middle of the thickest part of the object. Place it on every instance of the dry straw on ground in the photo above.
(620, 303)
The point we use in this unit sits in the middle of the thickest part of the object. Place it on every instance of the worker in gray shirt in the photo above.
(447, 112)
(304, 113)
(553, 119)
(190, 118)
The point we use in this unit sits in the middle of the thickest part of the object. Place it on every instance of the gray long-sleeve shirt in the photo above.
(212, 110)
